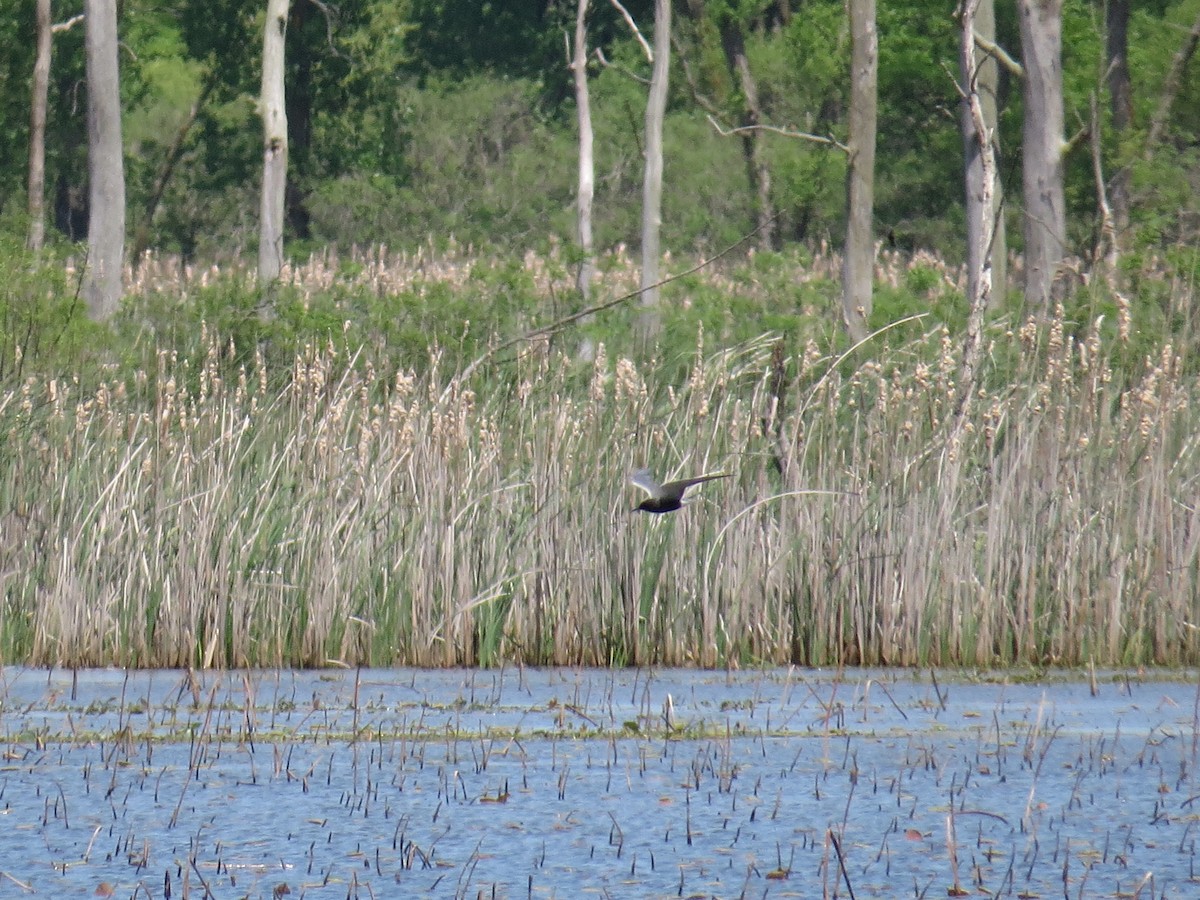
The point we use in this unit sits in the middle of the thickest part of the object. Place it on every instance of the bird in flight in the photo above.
(667, 497)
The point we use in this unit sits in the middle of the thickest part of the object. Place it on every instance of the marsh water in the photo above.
(628, 783)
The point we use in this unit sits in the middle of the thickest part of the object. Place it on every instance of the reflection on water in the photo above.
(543, 783)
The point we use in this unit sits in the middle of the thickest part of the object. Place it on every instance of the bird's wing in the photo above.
(643, 479)
(678, 487)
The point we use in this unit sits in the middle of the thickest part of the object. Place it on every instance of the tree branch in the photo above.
(1171, 88)
(1084, 132)
(998, 53)
(786, 132)
(559, 324)
(329, 14)
(1106, 244)
(603, 60)
(633, 25)
(704, 102)
(67, 25)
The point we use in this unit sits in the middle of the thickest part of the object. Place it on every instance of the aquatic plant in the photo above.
(238, 506)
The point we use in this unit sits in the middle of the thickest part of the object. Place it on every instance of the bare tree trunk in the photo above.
(1120, 93)
(587, 165)
(1107, 242)
(858, 264)
(977, 131)
(1042, 149)
(106, 166)
(656, 107)
(37, 131)
(982, 221)
(983, 86)
(275, 144)
(733, 42)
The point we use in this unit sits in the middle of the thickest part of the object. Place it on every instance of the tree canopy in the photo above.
(430, 119)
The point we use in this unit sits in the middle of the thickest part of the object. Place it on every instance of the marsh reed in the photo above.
(218, 512)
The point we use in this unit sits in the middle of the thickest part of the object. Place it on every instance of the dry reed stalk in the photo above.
(195, 516)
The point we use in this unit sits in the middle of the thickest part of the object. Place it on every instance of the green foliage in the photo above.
(438, 125)
(471, 149)
(16, 66)
(43, 321)
(427, 119)
(464, 36)
(269, 462)
(706, 207)
(443, 124)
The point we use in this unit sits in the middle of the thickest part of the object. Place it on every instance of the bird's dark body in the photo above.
(665, 498)
(665, 505)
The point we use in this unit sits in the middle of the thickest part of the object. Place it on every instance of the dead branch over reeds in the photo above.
(202, 516)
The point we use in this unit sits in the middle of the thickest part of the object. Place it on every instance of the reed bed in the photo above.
(219, 513)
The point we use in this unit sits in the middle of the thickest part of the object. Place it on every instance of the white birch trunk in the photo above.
(275, 144)
(1120, 90)
(587, 165)
(981, 176)
(1042, 149)
(858, 263)
(980, 213)
(37, 131)
(106, 166)
(656, 107)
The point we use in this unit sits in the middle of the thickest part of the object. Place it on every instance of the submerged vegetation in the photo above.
(375, 477)
(515, 781)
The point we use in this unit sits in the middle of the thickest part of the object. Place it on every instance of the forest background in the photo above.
(440, 120)
(875, 515)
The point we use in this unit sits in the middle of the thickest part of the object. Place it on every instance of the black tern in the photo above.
(665, 498)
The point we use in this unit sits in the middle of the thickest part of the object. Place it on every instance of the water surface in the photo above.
(555, 783)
